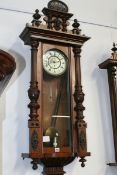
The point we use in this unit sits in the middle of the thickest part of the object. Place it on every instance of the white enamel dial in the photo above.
(54, 62)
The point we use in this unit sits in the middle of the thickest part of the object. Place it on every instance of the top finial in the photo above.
(36, 22)
(58, 6)
(114, 49)
(76, 25)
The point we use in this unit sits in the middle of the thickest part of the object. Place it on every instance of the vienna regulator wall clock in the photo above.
(57, 130)
(111, 66)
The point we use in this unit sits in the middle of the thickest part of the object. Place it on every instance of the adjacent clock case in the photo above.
(57, 129)
(111, 66)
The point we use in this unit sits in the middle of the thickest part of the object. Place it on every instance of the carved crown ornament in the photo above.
(56, 17)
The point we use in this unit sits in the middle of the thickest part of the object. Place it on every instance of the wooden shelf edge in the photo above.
(108, 64)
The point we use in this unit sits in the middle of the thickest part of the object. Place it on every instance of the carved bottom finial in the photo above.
(35, 164)
(82, 160)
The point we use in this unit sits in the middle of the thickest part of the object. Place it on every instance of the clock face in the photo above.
(54, 62)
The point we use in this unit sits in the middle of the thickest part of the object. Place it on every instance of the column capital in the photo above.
(34, 43)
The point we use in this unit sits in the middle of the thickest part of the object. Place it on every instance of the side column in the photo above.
(112, 73)
(35, 148)
(79, 123)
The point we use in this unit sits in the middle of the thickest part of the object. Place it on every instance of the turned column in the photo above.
(34, 121)
(33, 91)
(112, 79)
(80, 124)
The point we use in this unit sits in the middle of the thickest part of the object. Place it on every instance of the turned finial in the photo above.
(114, 49)
(76, 25)
(36, 22)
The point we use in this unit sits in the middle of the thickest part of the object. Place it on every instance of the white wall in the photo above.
(13, 103)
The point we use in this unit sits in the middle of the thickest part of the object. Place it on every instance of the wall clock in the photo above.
(56, 122)
(111, 66)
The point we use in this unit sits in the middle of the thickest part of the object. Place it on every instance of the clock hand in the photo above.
(55, 61)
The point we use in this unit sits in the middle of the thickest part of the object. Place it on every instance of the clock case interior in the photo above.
(56, 104)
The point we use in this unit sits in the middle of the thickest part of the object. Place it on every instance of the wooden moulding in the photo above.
(108, 64)
(47, 36)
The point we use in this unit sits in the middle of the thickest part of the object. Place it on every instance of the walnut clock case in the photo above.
(57, 130)
(111, 66)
